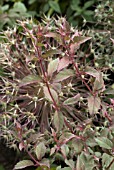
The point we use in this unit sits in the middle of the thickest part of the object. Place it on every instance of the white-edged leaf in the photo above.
(93, 104)
(63, 75)
(72, 100)
(104, 142)
(58, 120)
(52, 67)
(112, 40)
(23, 164)
(48, 95)
(40, 150)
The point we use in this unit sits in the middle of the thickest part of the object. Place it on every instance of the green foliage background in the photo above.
(75, 10)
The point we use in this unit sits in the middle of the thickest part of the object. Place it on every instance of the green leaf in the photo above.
(66, 168)
(63, 75)
(58, 120)
(30, 79)
(72, 100)
(74, 4)
(106, 160)
(52, 67)
(45, 164)
(112, 166)
(40, 150)
(77, 145)
(86, 161)
(88, 4)
(19, 7)
(55, 6)
(23, 164)
(65, 149)
(48, 96)
(80, 164)
(93, 104)
(70, 163)
(5, 7)
(104, 142)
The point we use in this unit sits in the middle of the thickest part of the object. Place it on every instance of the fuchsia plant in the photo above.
(50, 97)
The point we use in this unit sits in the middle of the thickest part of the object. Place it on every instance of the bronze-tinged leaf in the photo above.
(30, 79)
(63, 75)
(93, 104)
(54, 35)
(63, 63)
(50, 53)
(58, 120)
(72, 100)
(52, 66)
(99, 84)
(77, 41)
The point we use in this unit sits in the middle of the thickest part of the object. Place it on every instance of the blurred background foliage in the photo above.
(75, 10)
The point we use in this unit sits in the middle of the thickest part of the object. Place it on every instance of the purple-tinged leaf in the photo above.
(48, 96)
(54, 35)
(52, 67)
(63, 63)
(72, 100)
(93, 72)
(63, 75)
(77, 41)
(58, 120)
(23, 164)
(93, 104)
(57, 87)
